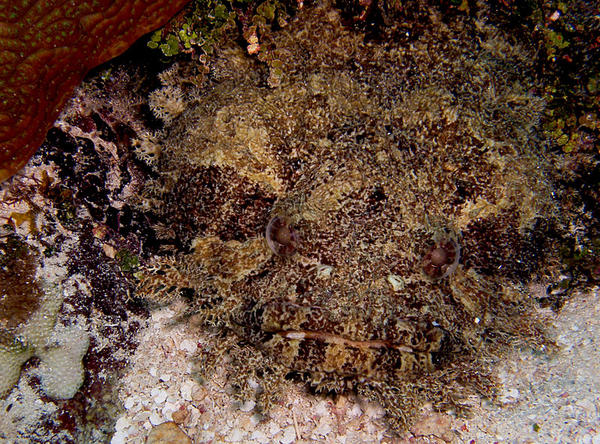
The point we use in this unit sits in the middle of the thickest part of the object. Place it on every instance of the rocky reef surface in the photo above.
(365, 228)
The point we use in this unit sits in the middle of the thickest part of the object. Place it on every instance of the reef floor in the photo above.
(342, 239)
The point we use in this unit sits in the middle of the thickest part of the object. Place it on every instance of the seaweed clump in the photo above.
(203, 25)
(20, 294)
(370, 150)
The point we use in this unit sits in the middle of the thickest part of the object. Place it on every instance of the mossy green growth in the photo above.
(565, 33)
(128, 261)
(571, 76)
(207, 21)
(169, 47)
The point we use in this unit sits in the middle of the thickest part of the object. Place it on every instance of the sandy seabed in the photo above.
(545, 399)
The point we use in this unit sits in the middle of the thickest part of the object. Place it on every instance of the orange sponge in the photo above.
(47, 47)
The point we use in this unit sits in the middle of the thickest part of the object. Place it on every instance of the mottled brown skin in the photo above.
(46, 48)
(356, 348)
(376, 154)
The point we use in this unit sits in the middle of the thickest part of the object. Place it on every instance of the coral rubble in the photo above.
(66, 323)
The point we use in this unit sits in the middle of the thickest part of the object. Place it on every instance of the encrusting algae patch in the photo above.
(414, 179)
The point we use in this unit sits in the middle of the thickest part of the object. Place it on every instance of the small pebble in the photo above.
(159, 395)
(122, 423)
(259, 436)
(289, 435)
(274, 428)
(355, 411)
(323, 429)
(248, 406)
(188, 345)
(321, 409)
(141, 416)
(155, 419)
(119, 437)
(167, 433)
(180, 415)
(129, 402)
(509, 396)
(256, 419)
(168, 410)
(186, 390)
(236, 435)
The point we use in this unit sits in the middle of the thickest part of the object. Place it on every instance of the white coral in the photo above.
(148, 148)
(167, 103)
(61, 367)
(11, 360)
(60, 350)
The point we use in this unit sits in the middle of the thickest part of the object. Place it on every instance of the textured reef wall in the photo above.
(390, 161)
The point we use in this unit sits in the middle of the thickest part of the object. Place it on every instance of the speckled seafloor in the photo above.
(550, 399)
(545, 399)
(557, 394)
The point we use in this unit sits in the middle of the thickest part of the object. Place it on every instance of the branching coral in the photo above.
(167, 103)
